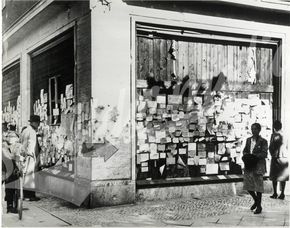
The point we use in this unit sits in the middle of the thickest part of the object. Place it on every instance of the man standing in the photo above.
(31, 151)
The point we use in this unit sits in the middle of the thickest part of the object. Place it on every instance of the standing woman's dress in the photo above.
(279, 166)
(253, 179)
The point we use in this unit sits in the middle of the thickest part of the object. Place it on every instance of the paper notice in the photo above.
(162, 155)
(204, 177)
(197, 100)
(154, 156)
(203, 170)
(152, 104)
(191, 153)
(55, 112)
(212, 168)
(174, 99)
(151, 139)
(175, 140)
(210, 154)
(161, 147)
(144, 164)
(202, 161)
(196, 160)
(160, 134)
(182, 150)
(144, 169)
(221, 177)
(141, 106)
(144, 147)
(224, 166)
(161, 99)
(202, 154)
(190, 161)
(161, 169)
(153, 148)
(170, 161)
(144, 157)
(69, 91)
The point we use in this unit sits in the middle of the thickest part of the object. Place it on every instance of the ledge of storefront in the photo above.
(58, 171)
(184, 181)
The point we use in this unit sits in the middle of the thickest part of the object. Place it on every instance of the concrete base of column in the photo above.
(109, 193)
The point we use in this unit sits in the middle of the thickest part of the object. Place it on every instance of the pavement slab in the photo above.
(32, 217)
(229, 211)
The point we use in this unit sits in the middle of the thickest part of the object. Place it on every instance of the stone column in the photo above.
(112, 178)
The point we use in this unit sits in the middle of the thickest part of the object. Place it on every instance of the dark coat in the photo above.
(250, 161)
(260, 151)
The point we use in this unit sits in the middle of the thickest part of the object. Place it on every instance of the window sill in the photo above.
(183, 181)
(58, 171)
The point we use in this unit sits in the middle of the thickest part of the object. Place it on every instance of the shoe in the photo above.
(253, 206)
(258, 210)
(274, 196)
(11, 209)
(282, 196)
(34, 199)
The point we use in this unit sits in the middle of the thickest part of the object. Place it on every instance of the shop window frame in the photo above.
(134, 89)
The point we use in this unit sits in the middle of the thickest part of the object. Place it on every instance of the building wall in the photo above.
(51, 22)
(114, 52)
(83, 58)
(13, 10)
(10, 86)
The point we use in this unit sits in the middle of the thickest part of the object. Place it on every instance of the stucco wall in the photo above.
(113, 45)
(52, 21)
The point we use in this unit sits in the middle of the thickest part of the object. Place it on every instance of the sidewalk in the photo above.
(32, 217)
(210, 212)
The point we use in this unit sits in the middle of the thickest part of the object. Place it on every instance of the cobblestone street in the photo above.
(178, 212)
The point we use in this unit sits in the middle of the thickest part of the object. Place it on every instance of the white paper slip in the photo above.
(212, 168)
(221, 177)
(161, 99)
(182, 151)
(190, 161)
(192, 146)
(205, 177)
(144, 169)
(202, 161)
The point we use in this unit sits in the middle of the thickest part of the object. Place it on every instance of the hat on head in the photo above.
(34, 118)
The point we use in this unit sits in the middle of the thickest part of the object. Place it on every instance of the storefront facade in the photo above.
(233, 67)
(47, 72)
(147, 101)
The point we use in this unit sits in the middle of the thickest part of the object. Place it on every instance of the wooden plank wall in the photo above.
(201, 61)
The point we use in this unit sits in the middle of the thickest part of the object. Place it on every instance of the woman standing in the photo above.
(255, 153)
(279, 163)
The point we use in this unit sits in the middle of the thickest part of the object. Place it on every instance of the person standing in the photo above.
(10, 150)
(31, 151)
(255, 167)
(279, 162)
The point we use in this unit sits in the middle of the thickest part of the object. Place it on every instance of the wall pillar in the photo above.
(25, 88)
(112, 180)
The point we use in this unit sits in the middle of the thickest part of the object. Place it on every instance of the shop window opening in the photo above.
(196, 98)
(52, 94)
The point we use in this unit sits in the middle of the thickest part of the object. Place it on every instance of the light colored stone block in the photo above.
(191, 191)
(83, 167)
(115, 193)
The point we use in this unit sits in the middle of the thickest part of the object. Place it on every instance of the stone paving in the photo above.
(224, 211)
